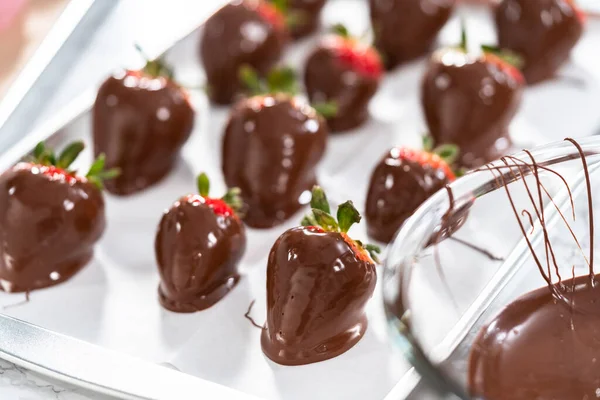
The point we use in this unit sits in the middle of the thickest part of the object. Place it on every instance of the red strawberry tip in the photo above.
(362, 58)
(507, 60)
(273, 12)
(230, 204)
(320, 220)
(431, 157)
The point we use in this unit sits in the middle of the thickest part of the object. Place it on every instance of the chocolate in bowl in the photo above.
(482, 328)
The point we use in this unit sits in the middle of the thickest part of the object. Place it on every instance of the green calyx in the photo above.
(328, 109)
(347, 215)
(447, 152)
(340, 30)
(464, 44)
(45, 156)
(292, 17)
(155, 68)
(508, 56)
(232, 197)
(278, 80)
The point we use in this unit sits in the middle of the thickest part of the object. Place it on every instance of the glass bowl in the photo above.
(465, 253)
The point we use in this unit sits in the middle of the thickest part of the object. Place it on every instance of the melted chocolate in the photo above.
(198, 254)
(398, 187)
(328, 79)
(543, 32)
(307, 13)
(545, 344)
(470, 102)
(541, 348)
(271, 147)
(317, 290)
(406, 29)
(48, 228)
(140, 124)
(239, 34)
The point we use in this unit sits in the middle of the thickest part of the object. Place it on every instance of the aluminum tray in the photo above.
(104, 328)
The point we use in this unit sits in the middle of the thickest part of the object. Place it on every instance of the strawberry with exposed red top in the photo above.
(319, 281)
(50, 218)
(469, 100)
(401, 182)
(542, 32)
(199, 243)
(142, 119)
(246, 32)
(343, 73)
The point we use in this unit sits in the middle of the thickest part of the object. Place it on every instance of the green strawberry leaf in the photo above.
(233, 199)
(69, 154)
(347, 216)
(326, 109)
(319, 200)
(203, 184)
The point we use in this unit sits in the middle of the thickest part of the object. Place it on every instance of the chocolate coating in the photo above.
(543, 32)
(140, 124)
(197, 253)
(308, 13)
(406, 29)
(236, 35)
(317, 289)
(327, 79)
(271, 147)
(541, 348)
(48, 228)
(470, 102)
(398, 187)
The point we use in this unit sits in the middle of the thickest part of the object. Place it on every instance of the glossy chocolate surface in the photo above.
(398, 187)
(317, 290)
(406, 29)
(307, 13)
(541, 348)
(140, 124)
(197, 253)
(543, 32)
(236, 35)
(48, 228)
(328, 79)
(271, 147)
(470, 102)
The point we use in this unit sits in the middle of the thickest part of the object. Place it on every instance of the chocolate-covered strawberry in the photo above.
(318, 283)
(542, 32)
(244, 32)
(303, 15)
(271, 147)
(406, 29)
(199, 243)
(469, 100)
(344, 73)
(50, 219)
(401, 182)
(141, 121)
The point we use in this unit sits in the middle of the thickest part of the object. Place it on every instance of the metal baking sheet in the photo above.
(112, 304)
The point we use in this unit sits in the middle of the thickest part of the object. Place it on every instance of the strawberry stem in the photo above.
(464, 44)
(327, 109)
(97, 175)
(203, 184)
(154, 68)
(280, 5)
(340, 30)
(508, 56)
(278, 80)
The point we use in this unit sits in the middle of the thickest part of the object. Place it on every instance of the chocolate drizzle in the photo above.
(544, 345)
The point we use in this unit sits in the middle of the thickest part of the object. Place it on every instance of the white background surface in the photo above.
(396, 111)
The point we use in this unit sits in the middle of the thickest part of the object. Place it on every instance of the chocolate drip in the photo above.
(249, 317)
(48, 228)
(543, 32)
(470, 102)
(545, 344)
(140, 124)
(197, 252)
(240, 33)
(271, 147)
(478, 249)
(317, 289)
(406, 29)
(329, 79)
